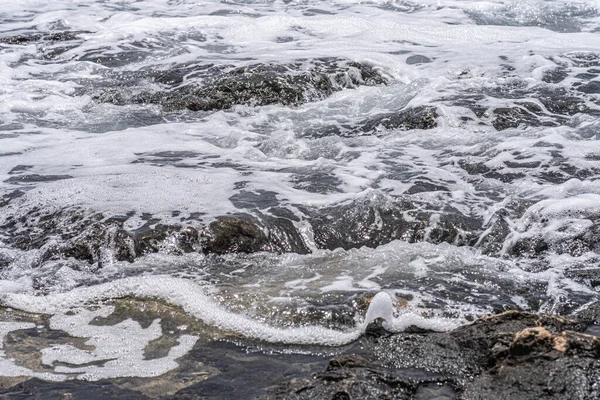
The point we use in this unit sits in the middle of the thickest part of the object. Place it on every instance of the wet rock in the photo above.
(97, 240)
(5, 260)
(350, 377)
(586, 76)
(587, 276)
(592, 87)
(36, 227)
(473, 168)
(232, 235)
(584, 59)
(590, 315)
(34, 178)
(284, 236)
(169, 238)
(247, 235)
(450, 228)
(36, 37)
(528, 247)
(545, 105)
(38, 389)
(223, 87)
(420, 187)
(569, 361)
(497, 229)
(513, 117)
(412, 118)
(99, 244)
(260, 85)
(479, 168)
(498, 357)
(574, 231)
(417, 59)
(555, 75)
(373, 223)
(561, 102)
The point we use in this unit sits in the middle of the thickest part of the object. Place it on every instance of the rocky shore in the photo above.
(513, 355)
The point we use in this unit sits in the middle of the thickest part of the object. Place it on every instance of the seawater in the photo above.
(63, 148)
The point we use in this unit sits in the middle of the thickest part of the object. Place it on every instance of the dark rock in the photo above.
(417, 59)
(514, 117)
(373, 223)
(513, 164)
(584, 59)
(592, 87)
(223, 87)
(169, 238)
(7, 198)
(411, 118)
(35, 388)
(246, 235)
(420, 187)
(350, 377)
(496, 230)
(586, 76)
(19, 169)
(32, 178)
(5, 260)
(283, 236)
(232, 235)
(534, 245)
(99, 243)
(376, 329)
(569, 362)
(587, 276)
(479, 168)
(555, 75)
(452, 228)
(590, 314)
(530, 243)
(561, 102)
(473, 168)
(528, 247)
(36, 37)
(260, 85)
(511, 355)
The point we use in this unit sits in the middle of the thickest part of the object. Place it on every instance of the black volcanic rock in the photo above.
(373, 223)
(513, 355)
(27, 38)
(222, 87)
(422, 117)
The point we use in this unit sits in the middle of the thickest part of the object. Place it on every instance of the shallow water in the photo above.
(454, 178)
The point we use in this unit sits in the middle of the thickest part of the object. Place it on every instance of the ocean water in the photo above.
(490, 202)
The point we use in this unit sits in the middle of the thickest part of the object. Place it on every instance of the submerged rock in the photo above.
(373, 223)
(511, 355)
(513, 117)
(411, 118)
(36, 37)
(223, 87)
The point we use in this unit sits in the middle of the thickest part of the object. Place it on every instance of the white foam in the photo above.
(116, 350)
(191, 298)
(8, 366)
(186, 294)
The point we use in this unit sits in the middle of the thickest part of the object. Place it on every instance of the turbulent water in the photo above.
(282, 172)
